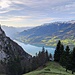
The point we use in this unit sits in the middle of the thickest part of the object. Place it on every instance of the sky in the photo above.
(27, 13)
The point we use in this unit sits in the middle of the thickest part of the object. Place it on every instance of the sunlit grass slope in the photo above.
(51, 68)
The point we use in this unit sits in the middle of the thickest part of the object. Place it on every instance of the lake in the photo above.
(32, 50)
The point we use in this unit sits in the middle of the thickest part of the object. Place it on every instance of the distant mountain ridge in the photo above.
(10, 31)
(50, 33)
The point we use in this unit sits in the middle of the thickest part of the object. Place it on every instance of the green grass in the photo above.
(49, 40)
(55, 69)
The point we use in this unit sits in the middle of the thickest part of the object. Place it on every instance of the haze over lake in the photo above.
(31, 49)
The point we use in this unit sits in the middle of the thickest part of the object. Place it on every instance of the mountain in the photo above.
(49, 33)
(9, 48)
(10, 31)
(20, 29)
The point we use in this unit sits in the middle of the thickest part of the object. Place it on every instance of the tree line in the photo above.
(65, 56)
(38, 60)
(14, 65)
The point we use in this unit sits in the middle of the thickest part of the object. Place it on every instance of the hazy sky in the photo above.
(35, 12)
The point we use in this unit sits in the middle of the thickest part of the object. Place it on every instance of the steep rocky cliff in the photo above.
(9, 48)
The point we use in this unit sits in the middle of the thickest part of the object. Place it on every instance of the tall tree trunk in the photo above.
(66, 69)
(72, 72)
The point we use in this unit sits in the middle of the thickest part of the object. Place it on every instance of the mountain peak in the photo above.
(1, 31)
(72, 21)
(9, 47)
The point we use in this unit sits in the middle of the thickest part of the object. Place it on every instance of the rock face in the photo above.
(9, 48)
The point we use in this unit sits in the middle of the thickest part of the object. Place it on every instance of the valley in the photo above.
(37, 37)
(49, 34)
(33, 49)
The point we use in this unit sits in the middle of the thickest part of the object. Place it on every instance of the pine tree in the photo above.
(73, 60)
(73, 56)
(62, 57)
(50, 57)
(62, 49)
(14, 66)
(43, 49)
(47, 57)
(67, 50)
(57, 53)
(67, 57)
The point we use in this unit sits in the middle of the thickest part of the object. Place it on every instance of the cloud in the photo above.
(14, 18)
(65, 7)
(31, 3)
(72, 13)
(4, 11)
(34, 6)
(36, 11)
(45, 20)
(5, 4)
(19, 18)
(36, 3)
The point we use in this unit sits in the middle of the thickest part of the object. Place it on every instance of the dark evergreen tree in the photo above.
(43, 49)
(62, 57)
(34, 63)
(43, 56)
(47, 57)
(14, 66)
(57, 53)
(67, 50)
(62, 49)
(73, 60)
(67, 57)
(50, 57)
(40, 59)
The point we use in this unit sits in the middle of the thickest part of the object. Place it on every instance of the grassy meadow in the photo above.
(51, 68)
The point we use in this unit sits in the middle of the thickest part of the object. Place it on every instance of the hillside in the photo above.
(49, 34)
(10, 31)
(55, 69)
(10, 49)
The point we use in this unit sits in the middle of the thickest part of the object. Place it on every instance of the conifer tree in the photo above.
(50, 57)
(57, 53)
(62, 57)
(67, 50)
(47, 57)
(67, 57)
(62, 49)
(14, 66)
(73, 60)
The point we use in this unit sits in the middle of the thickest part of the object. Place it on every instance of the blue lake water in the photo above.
(31, 49)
